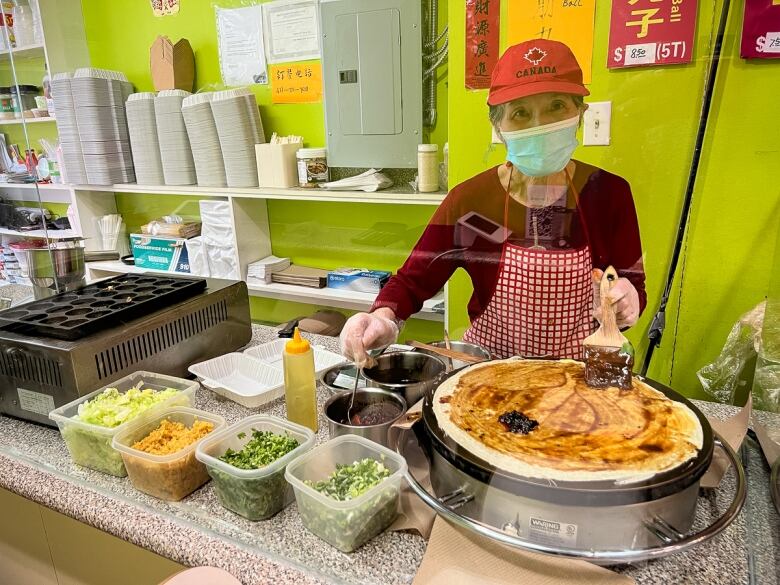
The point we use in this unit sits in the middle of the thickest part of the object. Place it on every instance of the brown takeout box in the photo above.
(172, 66)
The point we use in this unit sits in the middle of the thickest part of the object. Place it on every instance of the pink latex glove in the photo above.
(364, 331)
(624, 298)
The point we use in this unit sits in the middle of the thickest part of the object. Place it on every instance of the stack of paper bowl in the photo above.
(68, 129)
(99, 101)
(142, 126)
(239, 128)
(204, 140)
(175, 152)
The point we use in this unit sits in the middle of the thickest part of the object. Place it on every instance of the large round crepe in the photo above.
(584, 433)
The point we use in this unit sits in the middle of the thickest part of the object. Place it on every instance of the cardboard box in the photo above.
(358, 279)
(159, 253)
(172, 66)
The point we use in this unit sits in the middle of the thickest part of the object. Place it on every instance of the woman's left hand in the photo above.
(624, 298)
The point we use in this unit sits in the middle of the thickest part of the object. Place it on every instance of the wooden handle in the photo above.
(609, 327)
(456, 355)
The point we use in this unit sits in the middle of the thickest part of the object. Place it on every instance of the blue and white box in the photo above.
(358, 279)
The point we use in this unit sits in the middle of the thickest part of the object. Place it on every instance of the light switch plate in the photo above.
(597, 123)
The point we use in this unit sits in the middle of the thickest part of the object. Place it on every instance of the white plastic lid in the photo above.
(173, 93)
(197, 98)
(229, 94)
(312, 153)
(144, 95)
(427, 148)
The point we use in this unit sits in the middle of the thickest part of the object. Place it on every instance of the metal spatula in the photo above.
(609, 356)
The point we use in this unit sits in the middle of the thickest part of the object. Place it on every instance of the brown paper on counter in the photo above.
(414, 513)
(770, 447)
(458, 557)
(733, 431)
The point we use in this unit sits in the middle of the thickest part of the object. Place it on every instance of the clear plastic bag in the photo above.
(721, 377)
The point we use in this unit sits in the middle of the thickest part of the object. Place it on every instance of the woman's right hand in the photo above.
(365, 331)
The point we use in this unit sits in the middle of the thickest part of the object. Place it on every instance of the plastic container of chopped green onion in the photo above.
(247, 462)
(89, 443)
(334, 506)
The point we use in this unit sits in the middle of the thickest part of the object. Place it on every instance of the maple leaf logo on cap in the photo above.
(535, 55)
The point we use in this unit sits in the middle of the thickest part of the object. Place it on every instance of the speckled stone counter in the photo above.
(34, 463)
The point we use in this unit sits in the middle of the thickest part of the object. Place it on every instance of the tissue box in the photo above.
(158, 253)
(358, 279)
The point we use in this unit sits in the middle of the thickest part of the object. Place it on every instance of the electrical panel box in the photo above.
(372, 77)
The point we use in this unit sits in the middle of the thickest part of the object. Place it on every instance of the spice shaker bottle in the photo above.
(427, 168)
(300, 385)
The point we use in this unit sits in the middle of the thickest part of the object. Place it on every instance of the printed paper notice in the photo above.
(241, 51)
(292, 30)
(567, 21)
(296, 83)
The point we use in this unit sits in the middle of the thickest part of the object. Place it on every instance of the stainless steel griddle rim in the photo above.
(687, 474)
(598, 557)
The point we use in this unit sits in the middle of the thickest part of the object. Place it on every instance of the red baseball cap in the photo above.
(535, 66)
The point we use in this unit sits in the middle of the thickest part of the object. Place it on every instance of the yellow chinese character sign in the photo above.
(651, 32)
(296, 83)
(568, 21)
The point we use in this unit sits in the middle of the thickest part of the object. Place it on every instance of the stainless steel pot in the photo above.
(461, 346)
(408, 373)
(58, 268)
(335, 410)
(329, 376)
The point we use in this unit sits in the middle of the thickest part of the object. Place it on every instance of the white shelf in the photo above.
(51, 234)
(28, 52)
(387, 196)
(10, 122)
(343, 299)
(41, 186)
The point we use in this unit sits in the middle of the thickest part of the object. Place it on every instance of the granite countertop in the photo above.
(34, 463)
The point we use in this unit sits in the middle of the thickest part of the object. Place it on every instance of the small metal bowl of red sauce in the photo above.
(373, 413)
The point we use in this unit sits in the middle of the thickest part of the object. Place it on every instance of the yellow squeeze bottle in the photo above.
(300, 386)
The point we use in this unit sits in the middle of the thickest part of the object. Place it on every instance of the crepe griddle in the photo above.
(591, 493)
(96, 307)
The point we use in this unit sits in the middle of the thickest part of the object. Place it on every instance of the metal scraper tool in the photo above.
(609, 356)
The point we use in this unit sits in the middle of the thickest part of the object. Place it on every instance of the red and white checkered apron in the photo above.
(542, 305)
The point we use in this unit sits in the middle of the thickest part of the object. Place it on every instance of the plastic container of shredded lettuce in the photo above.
(88, 424)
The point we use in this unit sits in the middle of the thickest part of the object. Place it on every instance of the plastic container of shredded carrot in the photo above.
(159, 451)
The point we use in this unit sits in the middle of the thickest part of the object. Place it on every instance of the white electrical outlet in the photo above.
(597, 124)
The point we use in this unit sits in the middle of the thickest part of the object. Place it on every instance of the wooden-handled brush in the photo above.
(609, 355)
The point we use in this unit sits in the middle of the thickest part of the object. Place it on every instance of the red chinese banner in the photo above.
(761, 30)
(651, 32)
(482, 28)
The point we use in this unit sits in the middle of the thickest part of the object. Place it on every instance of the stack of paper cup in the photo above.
(239, 127)
(144, 143)
(68, 129)
(175, 152)
(204, 140)
(99, 101)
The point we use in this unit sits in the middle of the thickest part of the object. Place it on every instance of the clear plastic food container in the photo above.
(255, 494)
(346, 525)
(168, 477)
(90, 445)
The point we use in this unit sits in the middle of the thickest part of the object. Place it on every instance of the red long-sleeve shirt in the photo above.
(605, 219)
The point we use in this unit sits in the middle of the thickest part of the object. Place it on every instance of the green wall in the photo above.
(325, 235)
(728, 250)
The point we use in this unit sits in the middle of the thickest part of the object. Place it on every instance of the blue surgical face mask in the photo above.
(542, 150)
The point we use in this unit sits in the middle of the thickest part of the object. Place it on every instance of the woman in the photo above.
(533, 234)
